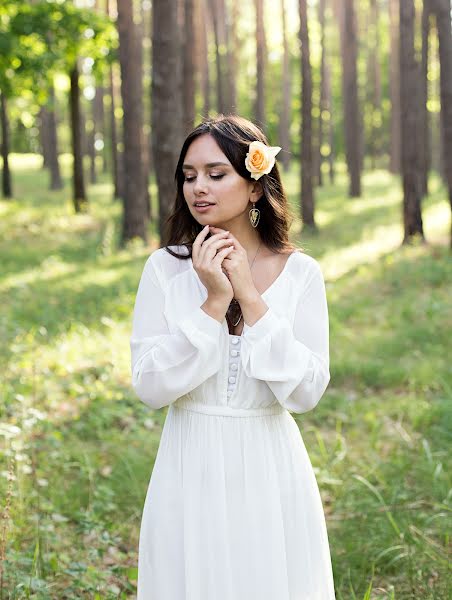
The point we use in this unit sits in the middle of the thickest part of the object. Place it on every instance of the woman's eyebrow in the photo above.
(212, 164)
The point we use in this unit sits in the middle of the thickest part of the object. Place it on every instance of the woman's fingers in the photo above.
(196, 247)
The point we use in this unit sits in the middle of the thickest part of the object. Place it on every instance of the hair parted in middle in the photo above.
(233, 135)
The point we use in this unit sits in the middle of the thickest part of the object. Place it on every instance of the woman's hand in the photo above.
(238, 270)
(207, 258)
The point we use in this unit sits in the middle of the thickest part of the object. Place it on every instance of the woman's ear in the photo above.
(257, 192)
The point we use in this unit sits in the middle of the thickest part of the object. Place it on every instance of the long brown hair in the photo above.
(233, 135)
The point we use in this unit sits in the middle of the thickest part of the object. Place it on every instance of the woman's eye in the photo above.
(188, 179)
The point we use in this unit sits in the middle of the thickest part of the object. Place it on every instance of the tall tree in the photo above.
(424, 138)
(323, 108)
(130, 58)
(409, 103)
(307, 194)
(234, 45)
(218, 12)
(202, 29)
(188, 95)
(259, 110)
(374, 86)
(352, 119)
(78, 180)
(56, 182)
(442, 10)
(284, 117)
(166, 105)
(6, 173)
(394, 86)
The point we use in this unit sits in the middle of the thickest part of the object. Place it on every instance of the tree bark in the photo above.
(409, 104)
(259, 109)
(394, 87)
(374, 74)
(307, 195)
(130, 59)
(424, 147)
(56, 182)
(79, 194)
(443, 23)
(352, 120)
(188, 96)
(323, 99)
(203, 58)
(6, 173)
(166, 89)
(284, 120)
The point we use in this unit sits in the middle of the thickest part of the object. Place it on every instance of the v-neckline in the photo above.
(275, 281)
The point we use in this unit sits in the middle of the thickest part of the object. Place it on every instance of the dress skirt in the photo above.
(233, 510)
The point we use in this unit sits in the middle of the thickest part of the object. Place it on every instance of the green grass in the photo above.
(77, 446)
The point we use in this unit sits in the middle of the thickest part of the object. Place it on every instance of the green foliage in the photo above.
(40, 38)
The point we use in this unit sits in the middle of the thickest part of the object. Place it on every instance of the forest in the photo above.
(96, 98)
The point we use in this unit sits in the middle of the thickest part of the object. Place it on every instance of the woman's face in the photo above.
(210, 178)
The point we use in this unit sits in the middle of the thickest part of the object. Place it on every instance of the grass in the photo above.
(77, 447)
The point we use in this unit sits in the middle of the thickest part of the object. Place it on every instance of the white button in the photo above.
(235, 340)
(234, 366)
(231, 379)
(234, 352)
(229, 393)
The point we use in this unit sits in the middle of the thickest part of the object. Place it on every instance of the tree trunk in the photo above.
(424, 146)
(56, 182)
(203, 58)
(307, 196)
(218, 12)
(332, 174)
(44, 135)
(284, 119)
(234, 44)
(166, 88)
(374, 87)
(259, 109)
(323, 99)
(443, 23)
(79, 194)
(130, 59)
(409, 104)
(188, 95)
(352, 120)
(394, 87)
(6, 173)
(91, 139)
(118, 175)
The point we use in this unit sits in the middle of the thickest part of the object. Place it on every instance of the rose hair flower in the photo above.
(260, 158)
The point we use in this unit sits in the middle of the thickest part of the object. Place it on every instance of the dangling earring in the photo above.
(255, 214)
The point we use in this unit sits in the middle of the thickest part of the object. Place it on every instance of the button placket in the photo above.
(234, 360)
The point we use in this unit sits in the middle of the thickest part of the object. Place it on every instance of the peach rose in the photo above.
(260, 159)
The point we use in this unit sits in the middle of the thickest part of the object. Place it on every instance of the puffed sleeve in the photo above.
(165, 365)
(294, 361)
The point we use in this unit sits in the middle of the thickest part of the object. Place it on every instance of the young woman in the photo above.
(230, 332)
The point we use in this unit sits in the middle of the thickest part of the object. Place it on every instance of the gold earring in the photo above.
(255, 214)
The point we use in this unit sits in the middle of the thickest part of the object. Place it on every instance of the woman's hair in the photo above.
(233, 135)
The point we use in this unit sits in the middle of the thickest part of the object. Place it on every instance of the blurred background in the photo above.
(96, 99)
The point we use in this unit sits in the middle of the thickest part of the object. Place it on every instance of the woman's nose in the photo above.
(200, 184)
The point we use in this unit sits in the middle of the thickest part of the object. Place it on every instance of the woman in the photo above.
(230, 331)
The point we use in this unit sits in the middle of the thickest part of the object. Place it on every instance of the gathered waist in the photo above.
(228, 411)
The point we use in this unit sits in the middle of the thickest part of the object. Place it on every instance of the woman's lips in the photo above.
(203, 208)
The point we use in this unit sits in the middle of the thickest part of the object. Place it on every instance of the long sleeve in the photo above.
(294, 361)
(166, 365)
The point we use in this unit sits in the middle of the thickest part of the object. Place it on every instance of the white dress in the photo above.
(232, 511)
